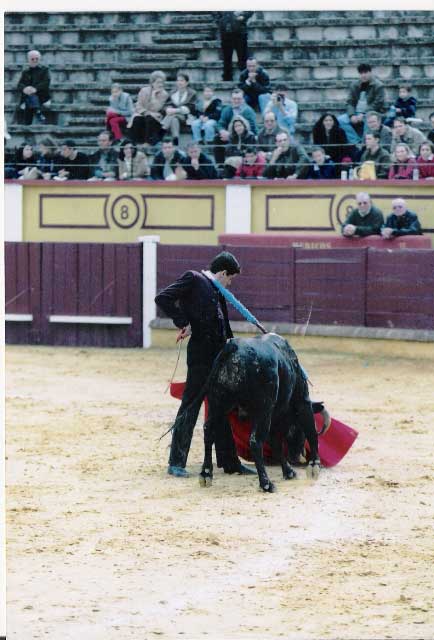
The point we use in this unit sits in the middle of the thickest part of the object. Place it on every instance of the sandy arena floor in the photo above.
(102, 544)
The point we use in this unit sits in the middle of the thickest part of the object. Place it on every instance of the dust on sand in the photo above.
(102, 544)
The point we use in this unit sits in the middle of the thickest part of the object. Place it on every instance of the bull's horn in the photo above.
(327, 421)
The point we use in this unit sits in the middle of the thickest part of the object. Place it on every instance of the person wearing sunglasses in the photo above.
(34, 89)
(401, 222)
(364, 220)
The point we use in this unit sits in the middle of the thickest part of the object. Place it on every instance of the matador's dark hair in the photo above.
(225, 261)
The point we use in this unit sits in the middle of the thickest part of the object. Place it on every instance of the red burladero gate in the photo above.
(73, 294)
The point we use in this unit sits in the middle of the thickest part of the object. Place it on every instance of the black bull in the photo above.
(263, 377)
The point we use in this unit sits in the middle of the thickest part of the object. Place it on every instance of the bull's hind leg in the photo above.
(307, 420)
(260, 430)
(278, 450)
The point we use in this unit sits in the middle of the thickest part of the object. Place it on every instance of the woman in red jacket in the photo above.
(425, 161)
(404, 165)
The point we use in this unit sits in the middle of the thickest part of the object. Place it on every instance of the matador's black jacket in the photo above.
(194, 300)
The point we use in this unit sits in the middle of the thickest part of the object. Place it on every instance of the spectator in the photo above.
(121, 108)
(132, 164)
(403, 133)
(10, 172)
(166, 161)
(48, 158)
(431, 133)
(253, 164)
(364, 220)
(25, 162)
(283, 108)
(425, 161)
(180, 105)
(373, 152)
(34, 88)
(331, 137)
(255, 83)
(207, 112)
(267, 135)
(322, 167)
(237, 108)
(401, 222)
(404, 163)
(405, 105)
(287, 160)
(373, 122)
(233, 36)
(104, 162)
(240, 137)
(197, 165)
(145, 123)
(366, 94)
(72, 164)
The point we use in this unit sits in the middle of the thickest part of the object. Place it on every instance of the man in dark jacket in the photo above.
(166, 161)
(233, 35)
(401, 222)
(72, 164)
(197, 165)
(287, 160)
(267, 135)
(255, 82)
(375, 153)
(197, 308)
(34, 88)
(364, 220)
(103, 164)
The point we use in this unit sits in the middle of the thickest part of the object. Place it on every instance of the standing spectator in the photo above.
(403, 133)
(253, 164)
(425, 161)
(207, 112)
(267, 135)
(255, 83)
(132, 164)
(145, 123)
(322, 167)
(373, 152)
(404, 163)
(197, 165)
(366, 94)
(25, 162)
(34, 88)
(405, 105)
(233, 36)
(121, 108)
(331, 137)
(72, 164)
(166, 161)
(287, 160)
(364, 220)
(104, 162)
(431, 133)
(373, 123)
(284, 109)
(237, 108)
(240, 137)
(48, 158)
(180, 105)
(401, 222)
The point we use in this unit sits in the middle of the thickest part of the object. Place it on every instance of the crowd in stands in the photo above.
(142, 137)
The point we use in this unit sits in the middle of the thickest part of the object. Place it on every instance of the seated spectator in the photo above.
(240, 137)
(431, 133)
(403, 164)
(267, 135)
(403, 133)
(48, 158)
(287, 160)
(328, 134)
(401, 222)
(25, 162)
(120, 109)
(34, 88)
(284, 109)
(207, 111)
(405, 105)
(373, 152)
(72, 164)
(373, 122)
(181, 104)
(365, 94)
(255, 83)
(132, 164)
(237, 108)
(425, 161)
(144, 126)
(103, 164)
(197, 165)
(322, 167)
(9, 155)
(252, 165)
(166, 161)
(364, 220)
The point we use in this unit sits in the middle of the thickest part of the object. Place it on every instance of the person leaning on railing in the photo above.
(425, 161)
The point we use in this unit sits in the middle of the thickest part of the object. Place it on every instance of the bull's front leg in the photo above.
(260, 430)
(278, 449)
(206, 474)
(307, 422)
